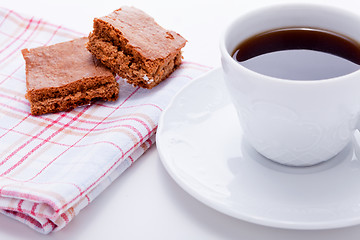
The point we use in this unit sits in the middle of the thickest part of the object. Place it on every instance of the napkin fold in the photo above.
(54, 165)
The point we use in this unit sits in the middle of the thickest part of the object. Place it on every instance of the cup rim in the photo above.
(229, 59)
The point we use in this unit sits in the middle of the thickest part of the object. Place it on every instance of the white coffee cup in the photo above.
(293, 122)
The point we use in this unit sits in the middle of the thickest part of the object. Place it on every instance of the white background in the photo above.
(144, 202)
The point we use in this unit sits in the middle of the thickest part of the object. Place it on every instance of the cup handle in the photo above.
(356, 139)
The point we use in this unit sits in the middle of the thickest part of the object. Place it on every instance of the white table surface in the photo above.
(144, 202)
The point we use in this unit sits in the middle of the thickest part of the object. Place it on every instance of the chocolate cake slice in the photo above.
(135, 47)
(64, 76)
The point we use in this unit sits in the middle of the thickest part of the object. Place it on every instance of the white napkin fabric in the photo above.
(54, 165)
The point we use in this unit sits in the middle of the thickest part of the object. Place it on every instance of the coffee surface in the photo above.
(299, 53)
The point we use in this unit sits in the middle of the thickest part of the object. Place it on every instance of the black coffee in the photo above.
(299, 54)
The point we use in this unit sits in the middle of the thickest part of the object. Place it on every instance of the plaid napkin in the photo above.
(54, 165)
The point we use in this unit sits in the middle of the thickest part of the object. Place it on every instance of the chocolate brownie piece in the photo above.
(135, 47)
(64, 76)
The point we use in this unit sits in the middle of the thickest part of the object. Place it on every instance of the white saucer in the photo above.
(201, 145)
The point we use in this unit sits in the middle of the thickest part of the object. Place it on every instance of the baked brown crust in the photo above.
(64, 76)
(135, 47)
